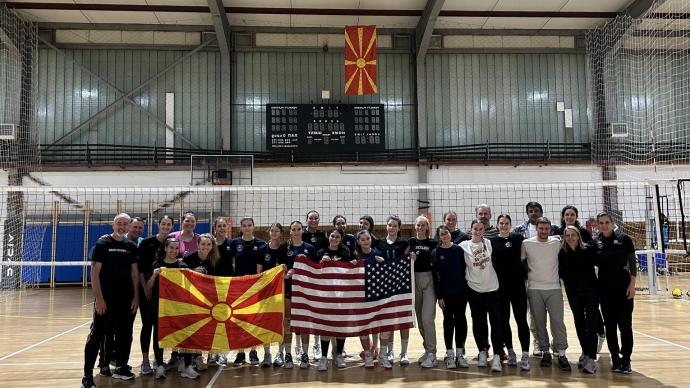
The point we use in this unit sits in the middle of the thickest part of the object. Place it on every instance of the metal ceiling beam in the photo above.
(638, 8)
(425, 26)
(224, 36)
(131, 93)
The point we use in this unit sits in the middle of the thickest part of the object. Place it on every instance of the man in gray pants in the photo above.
(544, 291)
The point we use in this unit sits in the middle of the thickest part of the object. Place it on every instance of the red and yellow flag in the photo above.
(210, 313)
(360, 60)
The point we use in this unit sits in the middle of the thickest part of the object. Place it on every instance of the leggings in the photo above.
(146, 321)
(326, 342)
(454, 320)
(481, 304)
(514, 295)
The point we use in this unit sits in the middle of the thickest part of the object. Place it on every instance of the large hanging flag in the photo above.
(336, 298)
(211, 313)
(360, 60)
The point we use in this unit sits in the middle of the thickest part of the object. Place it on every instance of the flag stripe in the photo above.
(397, 300)
(338, 331)
(331, 279)
(309, 316)
(337, 309)
(326, 287)
(337, 299)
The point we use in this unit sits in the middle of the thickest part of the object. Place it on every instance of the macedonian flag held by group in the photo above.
(198, 312)
(360, 60)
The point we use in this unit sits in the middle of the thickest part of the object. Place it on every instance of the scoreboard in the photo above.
(325, 127)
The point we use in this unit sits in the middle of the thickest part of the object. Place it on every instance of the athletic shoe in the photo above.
(160, 372)
(123, 373)
(626, 368)
(460, 359)
(222, 360)
(267, 360)
(430, 361)
(340, 361)
(404, 360)
(278, 361)
(212, 359)
(546, 360)
(298, 347)
(253, 357)
(482, 359)
(590, 366)
(537, 349)
(524, 362)
(512, 358)
(423, 357)
(172, 363)
(87, 382)
(449, 359)
(304, 361)
(317, 351)
(503, 354)
(199, 363)
(496, 364)
(181, 365)
(600, 344)
(240, 359)
(288, 362)
(105, 371)
(189, 373)
(390, 356)
(564, 364)
(616, 365)
(145, 368)
(368, 359)
(385, 363)
(323, 364)
(581, 361)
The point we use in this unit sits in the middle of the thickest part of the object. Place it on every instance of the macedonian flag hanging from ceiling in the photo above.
(211, 313)
(360, 60)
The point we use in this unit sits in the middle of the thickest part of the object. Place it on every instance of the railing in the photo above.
(125, 155)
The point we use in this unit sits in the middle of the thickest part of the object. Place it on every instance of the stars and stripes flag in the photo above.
(337, 298)
(198, 312)
(360, 60)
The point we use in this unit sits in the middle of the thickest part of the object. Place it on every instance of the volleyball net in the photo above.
(60, 224)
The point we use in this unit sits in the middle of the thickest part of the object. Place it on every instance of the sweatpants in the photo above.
(515, 295)
(117, 319)
(146, 321)
(585, 307)
(481, 304)
(425, 309)
(454, 320)
(542, 302)
(617, 310)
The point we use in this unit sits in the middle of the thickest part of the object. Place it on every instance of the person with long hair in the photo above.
(318, 239)
(166, 258)
(367, 253)
(349, 240)
(448, 271)
(617, 274)
(393, 247)
(421, 246)
(482, 295)
(335, 251)
(576, 267)
(511, 278)
(148, 251)
(366, 222)
(187, 236)
(274, 254)
(450, 220)
(219, 229)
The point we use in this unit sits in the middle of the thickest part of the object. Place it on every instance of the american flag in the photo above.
(339, 299)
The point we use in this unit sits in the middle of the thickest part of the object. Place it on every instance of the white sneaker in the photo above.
(368, 359)
(189, 373)
(496, 364)
(199, 363)
(537, 349)
(482, 360)
(512, 358)
(404, 360)
(430, 361)
(460, 359)
(449, 360)
(590, 366)
(423, 357)
(391, 356)
(222, 360)
(524, 362)
(340, 361)
(323, 364)
(278, 361)
(145, 368)
(317, 350)
(385, 363)
(160, 372)
(600, 344)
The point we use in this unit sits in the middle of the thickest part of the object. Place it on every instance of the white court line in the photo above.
(667, 342)
(44, 341)
(41, 363)
(215, 377)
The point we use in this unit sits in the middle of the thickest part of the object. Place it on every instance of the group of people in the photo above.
(493, 269)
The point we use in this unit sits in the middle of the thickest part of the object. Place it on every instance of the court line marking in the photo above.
(215, 377)
(44, 341)
(44, 318)
(667, 342)
(41, 363)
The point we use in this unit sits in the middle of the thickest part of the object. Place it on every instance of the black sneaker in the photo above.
(87, 382)
(240, 359)
(105, 371)
(616, 366)
(563, 363)
(253, 357)
(626, 368)
(546, 359)
(123, 373)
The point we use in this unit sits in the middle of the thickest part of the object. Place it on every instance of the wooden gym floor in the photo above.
(43, 332)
